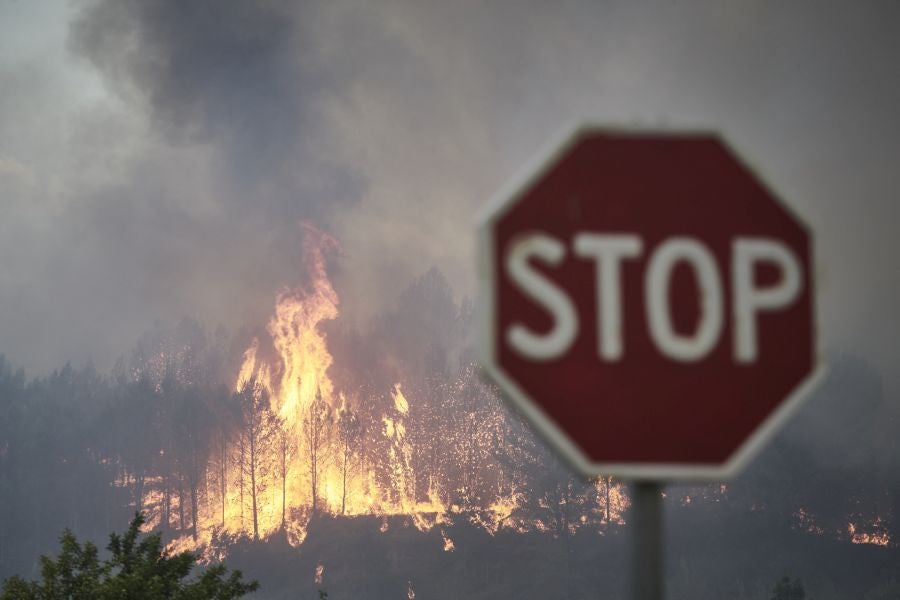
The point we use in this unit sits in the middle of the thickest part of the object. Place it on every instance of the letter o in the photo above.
(683, 348)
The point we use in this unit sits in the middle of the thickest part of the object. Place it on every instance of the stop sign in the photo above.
(647, 302)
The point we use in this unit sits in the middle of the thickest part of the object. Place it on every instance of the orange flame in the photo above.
(877, 536)
(308, 453)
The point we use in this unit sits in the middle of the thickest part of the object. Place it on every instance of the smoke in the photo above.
(240, 78)
(158, 157)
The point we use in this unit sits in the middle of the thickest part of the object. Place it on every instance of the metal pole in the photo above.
(646, 512)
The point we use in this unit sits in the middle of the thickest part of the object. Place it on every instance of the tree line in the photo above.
(161, 432)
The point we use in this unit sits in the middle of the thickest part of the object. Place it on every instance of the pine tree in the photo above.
(138, 569)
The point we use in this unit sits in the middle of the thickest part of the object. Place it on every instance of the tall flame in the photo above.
(296, 337)
(307, 452)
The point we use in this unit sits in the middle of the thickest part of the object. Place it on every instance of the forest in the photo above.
(377, 462)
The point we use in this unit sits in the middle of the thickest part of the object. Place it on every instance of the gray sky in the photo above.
(155, 160)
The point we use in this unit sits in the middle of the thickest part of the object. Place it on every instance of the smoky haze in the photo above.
(161, 165)
(157, 160)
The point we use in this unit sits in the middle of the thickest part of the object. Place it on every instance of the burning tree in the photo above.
(287, 447)
(258, 436)
(191, 447)
(402, 479)
(316, 429)
(477, 423)
(350, 432)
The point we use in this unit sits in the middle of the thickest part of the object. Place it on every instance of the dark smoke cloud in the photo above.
(241, 77)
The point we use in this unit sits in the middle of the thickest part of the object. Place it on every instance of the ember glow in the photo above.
(875, 533)
(860, 530)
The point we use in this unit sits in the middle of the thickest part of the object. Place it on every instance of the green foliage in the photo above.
(139, 568)
(786, 589)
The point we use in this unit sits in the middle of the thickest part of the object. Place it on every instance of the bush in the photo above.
(138, 569)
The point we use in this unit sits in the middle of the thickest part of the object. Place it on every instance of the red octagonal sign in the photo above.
(647, 303)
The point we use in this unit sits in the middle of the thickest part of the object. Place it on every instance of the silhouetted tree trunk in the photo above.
(259, 426)
(181, 499)
(253, 485)
(241, 479)
(349, 432)
(139, 490)
(286, 449)
(167, 507)
(608, 483)
(315, 424)
(223, 483)
(194, 506)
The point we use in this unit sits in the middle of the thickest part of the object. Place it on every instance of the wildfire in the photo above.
(295, 452)
(612, 499)
(289, 443)
(292, 444)
(449, 546)
(878, 534)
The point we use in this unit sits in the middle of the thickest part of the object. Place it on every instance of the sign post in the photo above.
(647, 576)
(647, 303)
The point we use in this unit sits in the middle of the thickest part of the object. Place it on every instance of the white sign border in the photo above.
(545, 426)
